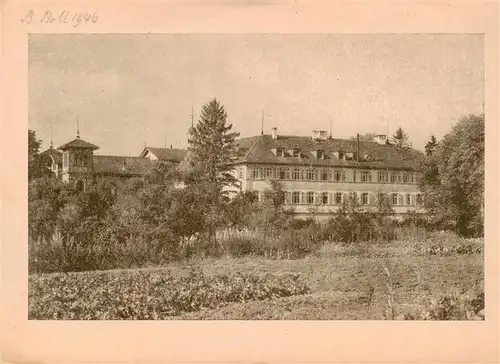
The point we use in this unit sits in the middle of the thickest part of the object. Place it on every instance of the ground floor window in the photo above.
(296, 197)
(420, 200)
(364, 198)
(310, 197)
(80, 185)
(394, 199)
(287, 198)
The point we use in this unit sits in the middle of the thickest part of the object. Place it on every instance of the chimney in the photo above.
(357, 151)
(275, 133)
(380, 139)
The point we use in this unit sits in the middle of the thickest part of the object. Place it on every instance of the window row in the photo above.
(317, 153)
(337, 198)
(77, 159)
(329, 174)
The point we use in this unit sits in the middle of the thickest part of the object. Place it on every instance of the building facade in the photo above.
(318, 173)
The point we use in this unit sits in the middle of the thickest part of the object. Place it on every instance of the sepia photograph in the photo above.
(256, 176)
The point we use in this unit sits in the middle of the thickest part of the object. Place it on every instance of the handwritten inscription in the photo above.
(63, 17)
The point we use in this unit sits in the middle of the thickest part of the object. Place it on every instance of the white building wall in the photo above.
(331, 187)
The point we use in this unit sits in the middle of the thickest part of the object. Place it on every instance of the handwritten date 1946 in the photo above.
(65, 16)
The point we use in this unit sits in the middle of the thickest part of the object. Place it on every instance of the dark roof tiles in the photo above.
(378, 155)
(167, 154)
(78, 143)
(52, 153)
(104, 164)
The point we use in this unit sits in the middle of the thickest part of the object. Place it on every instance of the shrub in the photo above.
(464, 248)
(451, 307)
(142, 295)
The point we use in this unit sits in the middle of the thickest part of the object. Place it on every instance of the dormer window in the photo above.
(279, 152)
(349, 156)
(319, 154)
(295, 153)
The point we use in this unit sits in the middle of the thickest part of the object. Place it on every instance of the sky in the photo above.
(128, 90)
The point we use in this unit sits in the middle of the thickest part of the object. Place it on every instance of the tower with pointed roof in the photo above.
(78, 164)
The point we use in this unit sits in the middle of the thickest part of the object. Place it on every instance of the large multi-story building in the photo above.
(317, 173)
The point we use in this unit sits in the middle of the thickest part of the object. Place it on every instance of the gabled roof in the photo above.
(259, 150)
(117, 165)
(166, 154)
(78, 143)
(52, 153)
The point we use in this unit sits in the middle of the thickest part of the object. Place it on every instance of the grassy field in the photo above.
(345, 282)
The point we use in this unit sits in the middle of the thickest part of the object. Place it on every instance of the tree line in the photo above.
(152, 220)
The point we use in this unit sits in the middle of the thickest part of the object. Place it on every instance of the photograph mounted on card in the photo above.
(308, 184)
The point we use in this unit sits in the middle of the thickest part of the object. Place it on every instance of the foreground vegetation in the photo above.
(146, 295)
(399, 280)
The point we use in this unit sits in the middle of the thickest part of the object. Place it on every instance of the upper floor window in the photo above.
(339, 175)
(383, 176)
(240, 173)
(80, 160)
(366, 176)
(324, 175)
(406, 177)
(255, 173)
(65, 159)
(311, 175)
(395, 177)
(283, 173)
(296, 174)
(269, 172)
(408, 199)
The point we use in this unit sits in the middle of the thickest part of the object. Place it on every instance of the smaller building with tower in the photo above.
(75, 162)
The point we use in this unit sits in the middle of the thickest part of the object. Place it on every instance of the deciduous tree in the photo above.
(453, 177)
